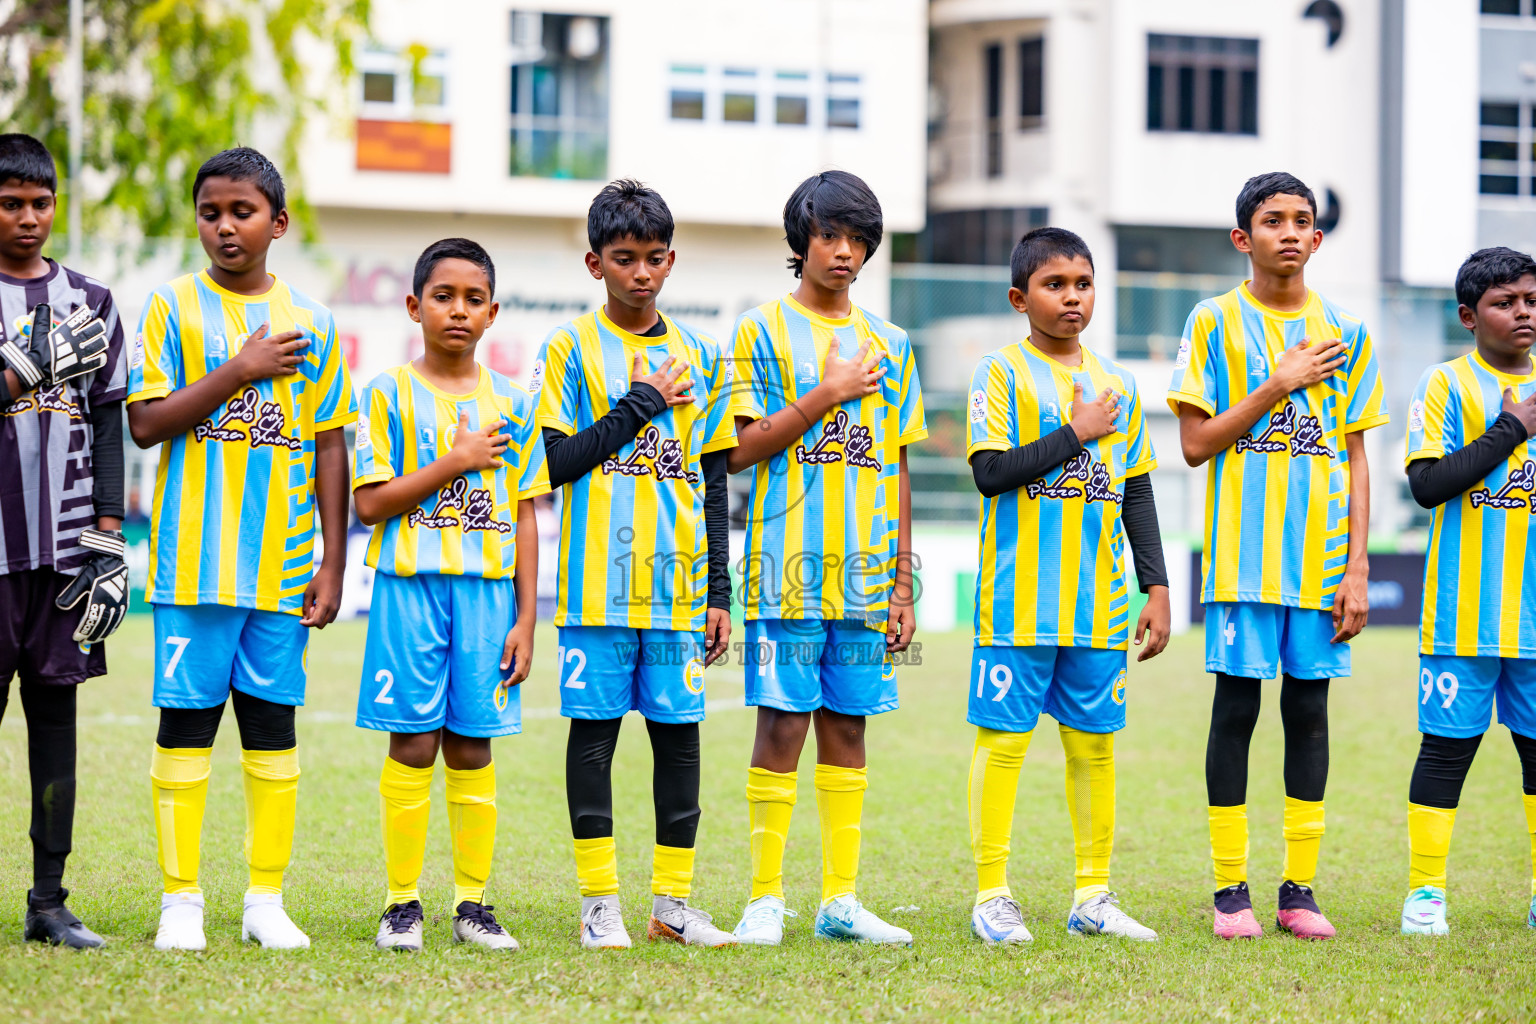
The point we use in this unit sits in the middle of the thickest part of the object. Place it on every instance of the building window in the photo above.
(559, 96)
(792, 104)
(1031, 82)
(1504, 150)
(994, 109)
(739, 102)
(1202, 84)
(842, 100)
(1505, 6)
(402, 123)
(687, 97)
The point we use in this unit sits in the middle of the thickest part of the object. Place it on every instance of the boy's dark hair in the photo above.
(1041, 245)
(627, 209)
(244, 164)
(452, 249)
(1261, 186)
(831, 199)
(1488, 268)
(28, 161)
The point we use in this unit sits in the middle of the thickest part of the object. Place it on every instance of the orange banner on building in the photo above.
(418, 146)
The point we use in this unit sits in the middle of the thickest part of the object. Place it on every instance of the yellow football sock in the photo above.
(1091, 800)
(994, 784)
(1303, 831)
(672, 871)
(840, 802)
(1429, 844)
(179, 780)
(271, 803)
(770, 803)
(472, 824)
(1530, 825)
(1229, 843)
(597, 866)
(405, 800)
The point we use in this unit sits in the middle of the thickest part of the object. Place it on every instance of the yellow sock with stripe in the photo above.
(472, 824)
(1303, 831)
(1091, 801)
(672, 871)
(1429, 844)
(597, 866)
(770, 803)
(1530, 825)
(840, 802)
(179, 781)
(1229, 843)
(271, 804)
(405, 801)
(996, 761)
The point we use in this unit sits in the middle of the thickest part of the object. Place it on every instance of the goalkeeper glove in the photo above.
(102, 583)
(50, 355)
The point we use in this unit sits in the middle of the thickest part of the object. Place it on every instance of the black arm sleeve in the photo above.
(996, 472)
(717, 507)
(1139, 517)
(570, 457)
(107, 458)
(1436, 481)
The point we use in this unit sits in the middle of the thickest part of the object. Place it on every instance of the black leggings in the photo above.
(1234, 713)
(50, 714)
(1444, 761)
(674, 779)
(263, 724)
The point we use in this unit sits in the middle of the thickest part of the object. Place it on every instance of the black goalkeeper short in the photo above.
(37, 637)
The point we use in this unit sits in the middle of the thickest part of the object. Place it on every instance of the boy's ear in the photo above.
(280, 224)
(1468, 317)
(1241, 240)
(413, 306)
(490, 317)
(594, 266)
(1017, 300)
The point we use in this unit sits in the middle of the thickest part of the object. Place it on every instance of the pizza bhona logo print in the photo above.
(654, 455)
(263, 423)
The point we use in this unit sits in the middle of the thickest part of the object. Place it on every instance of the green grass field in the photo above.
(915, 857)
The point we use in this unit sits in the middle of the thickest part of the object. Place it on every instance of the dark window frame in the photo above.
(1202, 84)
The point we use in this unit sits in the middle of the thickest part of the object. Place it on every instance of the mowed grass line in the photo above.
(916, 854)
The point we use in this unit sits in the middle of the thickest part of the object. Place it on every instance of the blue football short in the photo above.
(1260, 641)
(607, 671)
(805, 664)
(1083, 688)
(1457, 695)
(201, 650)
(433, 657)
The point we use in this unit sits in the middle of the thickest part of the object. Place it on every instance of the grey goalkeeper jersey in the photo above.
(47, 489)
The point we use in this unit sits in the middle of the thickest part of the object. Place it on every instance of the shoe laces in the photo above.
(480, 915)
(604, 917)
(1003, 911)
(1107, 906)
(401, 916)
(762, 913)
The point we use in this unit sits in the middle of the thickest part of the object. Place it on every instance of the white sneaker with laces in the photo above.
(845, 918)
(475, 924)
(401, 927)
(1101, 915)
(762, 922)
(268, 923)
(181, 922)
(602, 925)
(999, 922)
(673, 919)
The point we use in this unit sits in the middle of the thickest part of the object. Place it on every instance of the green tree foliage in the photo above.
(167, 84)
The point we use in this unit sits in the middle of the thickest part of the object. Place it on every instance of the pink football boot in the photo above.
(1299, 913)
(1234, 914)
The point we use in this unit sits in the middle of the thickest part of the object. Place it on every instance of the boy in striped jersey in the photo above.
(1469, 459)
(635, 415)
(61, 509)
(826, 402)
(241, 381)
(1059, 449)
(1274, 388)
(448, 462)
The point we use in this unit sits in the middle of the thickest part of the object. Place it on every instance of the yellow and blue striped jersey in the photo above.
(233, 520)
(633, 548)
(469, 527)
(1480, 568)
(1277, 500)
(1052, 567)
(823, 517)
